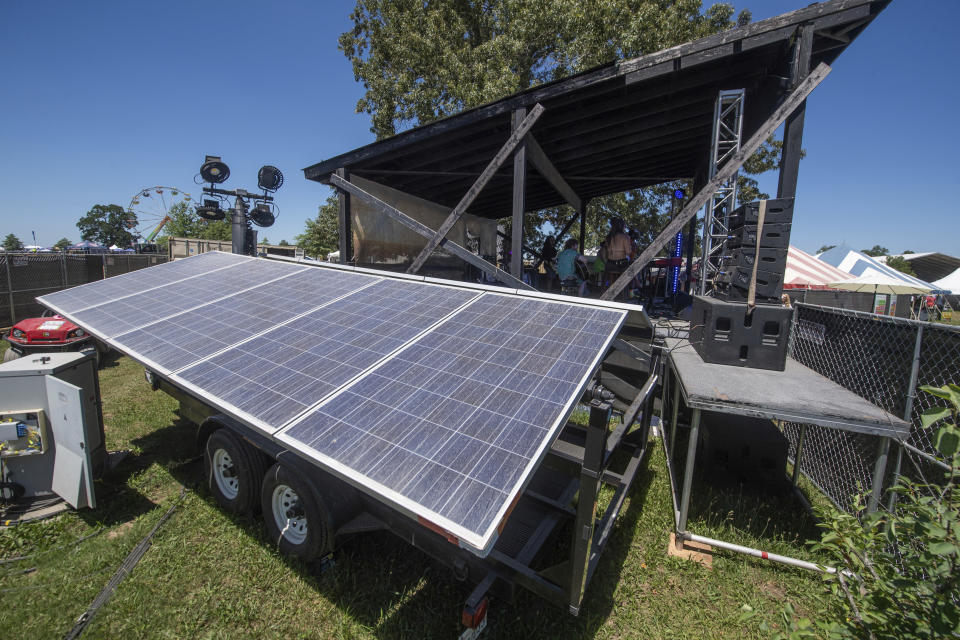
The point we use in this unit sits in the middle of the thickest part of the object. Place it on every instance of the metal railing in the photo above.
(24, 276)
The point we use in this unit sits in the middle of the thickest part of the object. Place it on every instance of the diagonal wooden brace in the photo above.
(394, 213)
(795, 99)
(516, 136)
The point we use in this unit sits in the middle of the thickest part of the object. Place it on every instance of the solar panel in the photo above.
(454, 424)
(279, 374)
(113, 318)
(439, 399)
(110, 289)
(195, 334)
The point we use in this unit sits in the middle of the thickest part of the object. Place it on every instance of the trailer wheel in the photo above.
(233, 471)
(292, 514)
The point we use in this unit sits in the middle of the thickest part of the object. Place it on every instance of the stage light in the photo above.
(214, 170)
(211, 210)
(269, 178)
(262, 215)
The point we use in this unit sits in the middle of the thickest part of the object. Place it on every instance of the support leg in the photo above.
(688, 472)
(883, 449)
(590, 475)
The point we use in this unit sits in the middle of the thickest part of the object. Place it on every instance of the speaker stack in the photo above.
(723, 329)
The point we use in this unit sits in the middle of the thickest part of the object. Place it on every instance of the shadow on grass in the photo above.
(393, 589)
(117, 501)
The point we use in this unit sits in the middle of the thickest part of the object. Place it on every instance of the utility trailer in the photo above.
(312, 502)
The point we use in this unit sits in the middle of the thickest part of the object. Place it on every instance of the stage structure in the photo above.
(624, 125)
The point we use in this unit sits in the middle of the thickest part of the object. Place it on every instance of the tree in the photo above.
(826, 247)
(185, 223)
(12, 243)
(62, 244)
(908, 251)
(901, 264)
(423, 61)
(264, 240)
(283, 243)
(876, 251)
(108, 224)
(321, 235)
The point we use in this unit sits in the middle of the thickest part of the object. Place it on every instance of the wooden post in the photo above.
(345, 222)
(583, 229)
(793, 129)
(520, 127)
(733, 165)
(519, 199)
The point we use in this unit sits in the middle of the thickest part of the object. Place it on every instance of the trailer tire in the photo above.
(234, 470)
(292, 514)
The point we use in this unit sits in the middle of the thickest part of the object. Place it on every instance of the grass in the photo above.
(210, 575)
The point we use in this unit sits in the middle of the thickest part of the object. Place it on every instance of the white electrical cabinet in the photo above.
(51, 426)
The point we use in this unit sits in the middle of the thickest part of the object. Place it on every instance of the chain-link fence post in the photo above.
(13, 313)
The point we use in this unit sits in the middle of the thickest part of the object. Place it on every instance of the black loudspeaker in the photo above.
(751, 448)
(774, 260)
(779, 211)
(725, 333)
(769, 284)
(773, 236)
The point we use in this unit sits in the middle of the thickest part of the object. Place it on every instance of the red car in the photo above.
(49, 333)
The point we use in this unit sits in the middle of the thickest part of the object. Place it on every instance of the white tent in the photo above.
(859, 264)
(950, 283)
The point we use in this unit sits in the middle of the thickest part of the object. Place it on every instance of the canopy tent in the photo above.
(859, 264)
(806, 272)
(950, 283)
(873, 282)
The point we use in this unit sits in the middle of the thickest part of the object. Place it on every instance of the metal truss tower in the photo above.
(727, 133)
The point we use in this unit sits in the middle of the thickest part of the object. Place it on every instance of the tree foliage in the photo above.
(12, 243)
(185, 223)
(62, 244)
(876, 251)
(901, 264)
(825, 247)
(422, 61)
(321, 235)
(107, 224)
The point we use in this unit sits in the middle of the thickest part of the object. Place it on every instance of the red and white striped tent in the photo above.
(806, 272)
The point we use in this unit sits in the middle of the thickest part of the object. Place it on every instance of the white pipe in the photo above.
(757, 553)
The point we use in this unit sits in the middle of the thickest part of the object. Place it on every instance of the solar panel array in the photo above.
(438, 399)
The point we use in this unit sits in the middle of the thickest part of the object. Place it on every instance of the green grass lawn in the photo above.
(210, 575)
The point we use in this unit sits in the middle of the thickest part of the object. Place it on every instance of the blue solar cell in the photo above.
(191, 336)
(110, 289)
(126, 314)
(466, 408)
(296, 365)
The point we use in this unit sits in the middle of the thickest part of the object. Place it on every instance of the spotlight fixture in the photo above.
(214, 170)
(262, 215)
(211, 210)
(269, 178)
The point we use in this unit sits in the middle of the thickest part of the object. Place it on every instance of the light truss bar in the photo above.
(727, 134)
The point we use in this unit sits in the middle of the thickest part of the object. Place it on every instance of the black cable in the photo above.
(122, 572)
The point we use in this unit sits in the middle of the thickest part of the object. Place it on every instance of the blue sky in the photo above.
(103, 99)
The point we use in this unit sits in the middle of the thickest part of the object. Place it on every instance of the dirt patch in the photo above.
(119, 531)
(773, 590)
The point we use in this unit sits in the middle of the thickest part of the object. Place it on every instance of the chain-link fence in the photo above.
(883, 360)
(24, 276)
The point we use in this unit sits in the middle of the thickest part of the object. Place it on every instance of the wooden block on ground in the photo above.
(689, 550)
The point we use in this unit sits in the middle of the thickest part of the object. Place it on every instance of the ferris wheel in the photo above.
(149, 210)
